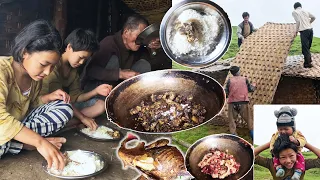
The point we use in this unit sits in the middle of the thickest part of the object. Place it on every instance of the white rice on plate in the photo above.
(102, 132)
(81, 163)
(210, 27)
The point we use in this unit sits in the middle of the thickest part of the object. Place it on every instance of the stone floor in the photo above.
(28, 164)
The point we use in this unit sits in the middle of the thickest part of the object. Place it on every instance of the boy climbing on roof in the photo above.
(237, 90)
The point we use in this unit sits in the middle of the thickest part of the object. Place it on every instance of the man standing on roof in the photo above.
(303, 21)
(245, 28)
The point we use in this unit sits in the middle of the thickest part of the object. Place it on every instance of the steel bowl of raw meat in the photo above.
(221, 156)
(165, 101)
(195, 33)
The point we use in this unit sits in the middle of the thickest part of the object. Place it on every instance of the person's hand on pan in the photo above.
(103, 89)
(154, 44)
(127, 73)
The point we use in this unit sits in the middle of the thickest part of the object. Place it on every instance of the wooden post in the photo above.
(60, 16)
(98, 26)
(114, 17)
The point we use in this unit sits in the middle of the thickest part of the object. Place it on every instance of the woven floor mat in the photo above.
(261, 58)
(294, 67)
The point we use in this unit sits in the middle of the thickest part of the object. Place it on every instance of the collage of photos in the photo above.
(159, 90)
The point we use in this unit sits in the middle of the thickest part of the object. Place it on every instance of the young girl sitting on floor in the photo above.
(24, 122)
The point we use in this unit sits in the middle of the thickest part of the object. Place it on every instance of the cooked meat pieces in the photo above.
(192, 29)
(166, 112)
(114, 134)
(219, 164)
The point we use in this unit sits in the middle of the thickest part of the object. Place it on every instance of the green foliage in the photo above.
(191, 136)
(296, 46)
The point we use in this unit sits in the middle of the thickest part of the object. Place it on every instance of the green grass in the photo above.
(296, 46)
(178, 66)
(263, 173)
(193, 135)
(233, 48)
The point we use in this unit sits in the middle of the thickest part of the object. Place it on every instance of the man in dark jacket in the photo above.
(245, 28)
(119, 57)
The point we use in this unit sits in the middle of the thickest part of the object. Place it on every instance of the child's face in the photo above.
(39, 64)
(285, 130)
(288, 158)
(77, 58)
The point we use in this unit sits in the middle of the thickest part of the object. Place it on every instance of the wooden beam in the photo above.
(114, 16)
(60, 16)
(98, 25)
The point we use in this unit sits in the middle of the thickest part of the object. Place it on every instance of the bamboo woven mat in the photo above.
(296, 90)
(294, 67)
(152, 10)
(261, 59)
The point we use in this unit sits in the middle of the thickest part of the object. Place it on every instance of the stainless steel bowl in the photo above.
(100, 157)
(219, 45)
(238, 147)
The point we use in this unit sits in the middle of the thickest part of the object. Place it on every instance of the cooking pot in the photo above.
(238, 147)
(129, 93)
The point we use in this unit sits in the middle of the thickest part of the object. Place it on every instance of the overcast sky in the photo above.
(307, 121)
(262, 11)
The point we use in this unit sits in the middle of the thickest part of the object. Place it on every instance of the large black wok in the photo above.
(128, 94)
(238, 147)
